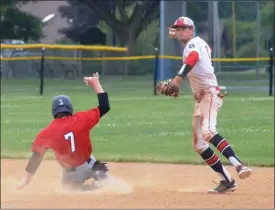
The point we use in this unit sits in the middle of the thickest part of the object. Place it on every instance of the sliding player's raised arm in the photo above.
(93, 115)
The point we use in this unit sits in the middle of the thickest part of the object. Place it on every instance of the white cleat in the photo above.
(243, 171)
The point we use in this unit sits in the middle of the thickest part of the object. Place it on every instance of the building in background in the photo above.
(43, 8)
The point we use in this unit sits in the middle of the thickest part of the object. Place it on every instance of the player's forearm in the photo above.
(25, 181)
(98, 89)
(185, 69)
(104, 105)
(177, 80)
(27, 178)
(31, 168)
(33, 163)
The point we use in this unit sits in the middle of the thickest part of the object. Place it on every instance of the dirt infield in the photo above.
(138, 185)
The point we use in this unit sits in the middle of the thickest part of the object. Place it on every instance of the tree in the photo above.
(16, 24)
(83, 24)
(267, 19)
(246, 30)
(129, 20)
(244, 10)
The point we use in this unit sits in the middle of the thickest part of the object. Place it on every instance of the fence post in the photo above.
(271, 63)
(156, 68)
(42, 66)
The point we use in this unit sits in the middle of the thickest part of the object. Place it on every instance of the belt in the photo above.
(74, 169)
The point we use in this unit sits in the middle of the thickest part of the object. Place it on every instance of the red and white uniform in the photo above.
(202, 75)
(205, 89)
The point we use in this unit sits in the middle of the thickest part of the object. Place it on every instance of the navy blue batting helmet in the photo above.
(61, 103)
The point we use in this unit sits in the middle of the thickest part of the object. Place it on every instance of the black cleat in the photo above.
(224, 186)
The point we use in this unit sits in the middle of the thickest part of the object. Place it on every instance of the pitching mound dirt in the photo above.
(136, 185)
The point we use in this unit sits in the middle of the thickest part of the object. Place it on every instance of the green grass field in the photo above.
(140, 126)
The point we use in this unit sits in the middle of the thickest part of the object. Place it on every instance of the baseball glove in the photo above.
(167, 88)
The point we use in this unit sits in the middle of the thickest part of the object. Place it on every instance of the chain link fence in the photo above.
(232, 29)
(59, 63)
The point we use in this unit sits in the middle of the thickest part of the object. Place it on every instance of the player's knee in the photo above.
(200, 146)
(196, 148)
(209, 134)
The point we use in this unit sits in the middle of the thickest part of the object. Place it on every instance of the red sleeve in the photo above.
(90, 117)
(192, 58)
(41, 143)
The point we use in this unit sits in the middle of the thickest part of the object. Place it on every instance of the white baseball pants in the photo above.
(207, 106)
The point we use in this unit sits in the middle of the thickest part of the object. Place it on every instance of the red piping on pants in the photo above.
(209, 117)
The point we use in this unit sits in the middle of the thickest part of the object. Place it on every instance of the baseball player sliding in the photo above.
(208, 98)
(68, 137)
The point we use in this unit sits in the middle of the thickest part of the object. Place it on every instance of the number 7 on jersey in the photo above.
(70, 136)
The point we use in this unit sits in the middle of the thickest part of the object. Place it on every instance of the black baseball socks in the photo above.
(214, 162)
(224, 148)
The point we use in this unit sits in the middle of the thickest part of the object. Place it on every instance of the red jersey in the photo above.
(68, 138)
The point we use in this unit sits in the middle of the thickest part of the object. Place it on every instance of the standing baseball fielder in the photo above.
(197, 66)
(68, 137)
